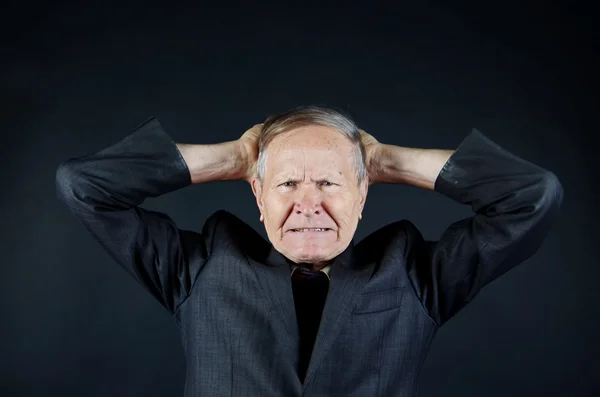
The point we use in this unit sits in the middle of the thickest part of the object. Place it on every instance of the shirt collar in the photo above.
(325, 270)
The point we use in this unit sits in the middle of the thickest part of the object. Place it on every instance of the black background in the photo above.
(77, 77)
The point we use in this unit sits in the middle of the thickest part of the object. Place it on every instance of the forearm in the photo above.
(412, 166)
(215, 162)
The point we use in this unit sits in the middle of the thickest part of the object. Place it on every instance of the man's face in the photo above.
(310, 198)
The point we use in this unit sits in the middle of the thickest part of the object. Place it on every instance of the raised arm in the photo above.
(405, 165)
(515, 204)
(104, 190)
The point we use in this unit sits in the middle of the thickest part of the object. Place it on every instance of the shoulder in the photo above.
(229, 231)
(394, 238)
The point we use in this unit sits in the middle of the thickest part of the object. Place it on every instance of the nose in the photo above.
(308, 201)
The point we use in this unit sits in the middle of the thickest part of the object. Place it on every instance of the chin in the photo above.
(312, 254)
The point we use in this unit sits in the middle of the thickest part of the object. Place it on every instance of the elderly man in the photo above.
(309, 313)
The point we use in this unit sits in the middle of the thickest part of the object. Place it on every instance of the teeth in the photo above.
(311, 229)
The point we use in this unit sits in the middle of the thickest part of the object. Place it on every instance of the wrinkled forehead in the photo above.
(314, 138)
(311, 160)
(311, 150)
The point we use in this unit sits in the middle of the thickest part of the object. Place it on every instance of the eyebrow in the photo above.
(287, 177)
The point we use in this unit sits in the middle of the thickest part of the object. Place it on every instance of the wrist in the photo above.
(247, 155)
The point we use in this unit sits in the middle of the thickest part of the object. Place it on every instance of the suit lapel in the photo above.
(348, 278)
(274, 275)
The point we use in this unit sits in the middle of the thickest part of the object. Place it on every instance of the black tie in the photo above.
(310, 291)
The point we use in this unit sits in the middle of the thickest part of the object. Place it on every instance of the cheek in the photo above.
(275, 209)
(341, 207)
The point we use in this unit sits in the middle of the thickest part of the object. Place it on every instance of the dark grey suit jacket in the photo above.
(230, 292)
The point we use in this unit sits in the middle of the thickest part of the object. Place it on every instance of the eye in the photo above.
(288, 184)
(327, 183)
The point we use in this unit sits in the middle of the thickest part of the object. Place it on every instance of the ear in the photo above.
(257, 190)
(364, 189)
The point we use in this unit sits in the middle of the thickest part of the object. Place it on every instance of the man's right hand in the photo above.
(249, 146)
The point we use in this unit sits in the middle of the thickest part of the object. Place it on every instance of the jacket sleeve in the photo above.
(104, 190)
(515, 204)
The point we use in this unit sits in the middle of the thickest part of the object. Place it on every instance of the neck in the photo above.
(312, 265)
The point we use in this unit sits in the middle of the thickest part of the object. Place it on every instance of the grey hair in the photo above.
(303, 116)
